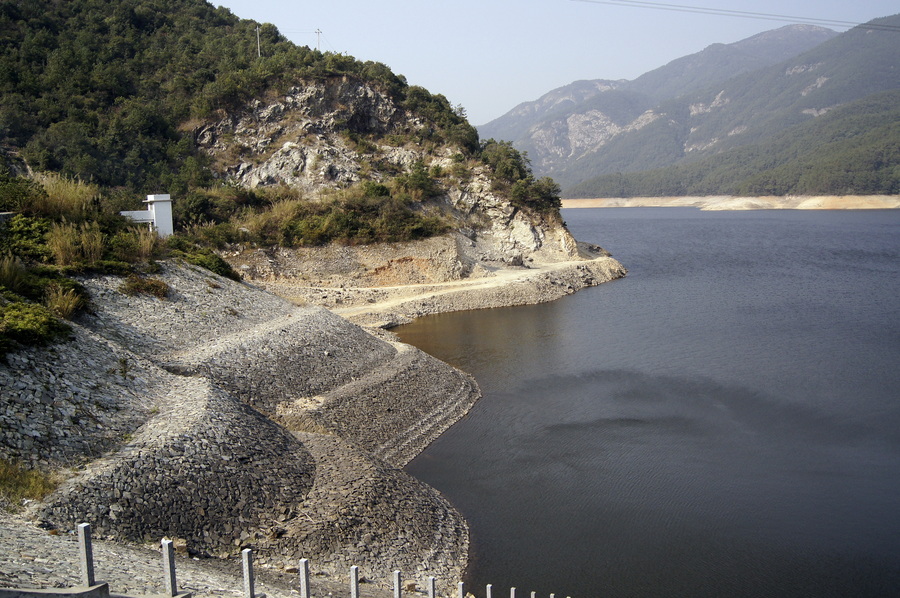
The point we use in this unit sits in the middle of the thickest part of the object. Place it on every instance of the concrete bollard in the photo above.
(432, 591)
(249, 577)
(304, 578)
(461, 590)
(354, 582)
(397, 589)
(512, 593)
(168, 555)
(86, 554)
(489, 591)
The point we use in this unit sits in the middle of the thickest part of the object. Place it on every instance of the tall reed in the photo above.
(146, 242)
(66, 198)
(12, 273)
(64, 243)
(91, 242)
(63, 302)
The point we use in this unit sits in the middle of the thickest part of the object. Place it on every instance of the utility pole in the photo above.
(258, 47)
(318, 39)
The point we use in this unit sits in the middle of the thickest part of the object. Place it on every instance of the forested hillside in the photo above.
(813, 124)
(852, 150)
(105, 101)
(107, 90)
(577, 119)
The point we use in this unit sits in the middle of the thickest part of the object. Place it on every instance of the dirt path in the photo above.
(391, 305)
(417, 292)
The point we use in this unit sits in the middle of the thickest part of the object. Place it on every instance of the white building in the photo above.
(158, 214)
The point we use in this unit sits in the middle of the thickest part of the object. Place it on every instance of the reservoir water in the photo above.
(724, 421)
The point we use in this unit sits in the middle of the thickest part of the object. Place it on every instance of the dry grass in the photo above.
(92, 242)
(18, 484)
(12, 273)
(63, 302)
(64, 242)
(135, 285)
(146, 243)
(65, 198)
(269, 223)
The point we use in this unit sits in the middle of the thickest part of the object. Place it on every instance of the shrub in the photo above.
(26, 237)
(418, 182)
(18, 483)
(28, 324)
(113, 267)
(124, 246)
(208, 259)
(135, 284)
(17, 194)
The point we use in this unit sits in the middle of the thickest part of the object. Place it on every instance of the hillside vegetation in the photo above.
(575, 120)
(854, 149)
(106, 90)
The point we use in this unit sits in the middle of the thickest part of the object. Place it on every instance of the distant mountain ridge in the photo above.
(766, 131)
(564, 130)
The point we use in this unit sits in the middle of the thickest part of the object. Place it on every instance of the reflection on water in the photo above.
(723, 422)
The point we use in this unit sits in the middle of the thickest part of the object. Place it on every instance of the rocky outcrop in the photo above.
(304, 137)
(333, 133)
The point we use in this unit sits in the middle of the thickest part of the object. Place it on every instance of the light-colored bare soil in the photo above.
(382, 285)
(728, 202)
(386, 306)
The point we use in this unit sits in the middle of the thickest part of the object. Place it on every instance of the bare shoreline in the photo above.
(730, 202)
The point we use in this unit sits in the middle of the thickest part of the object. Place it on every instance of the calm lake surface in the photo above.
(725, 421)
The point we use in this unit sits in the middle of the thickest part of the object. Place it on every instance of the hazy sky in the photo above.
(491, 55)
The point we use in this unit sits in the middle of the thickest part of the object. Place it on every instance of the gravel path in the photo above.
(33, 558)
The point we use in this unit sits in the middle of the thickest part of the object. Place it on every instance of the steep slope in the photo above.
(576, 119)
(320, 147)
(515, 123)
(229, 418)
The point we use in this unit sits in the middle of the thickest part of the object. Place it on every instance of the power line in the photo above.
(740, 14)
(320, 36)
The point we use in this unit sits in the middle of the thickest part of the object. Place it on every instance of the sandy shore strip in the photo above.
(729, 202)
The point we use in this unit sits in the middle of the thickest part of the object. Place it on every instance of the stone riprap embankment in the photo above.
(63, 407)
(290, 470)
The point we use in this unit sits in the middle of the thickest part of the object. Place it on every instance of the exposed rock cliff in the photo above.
(330, 134)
